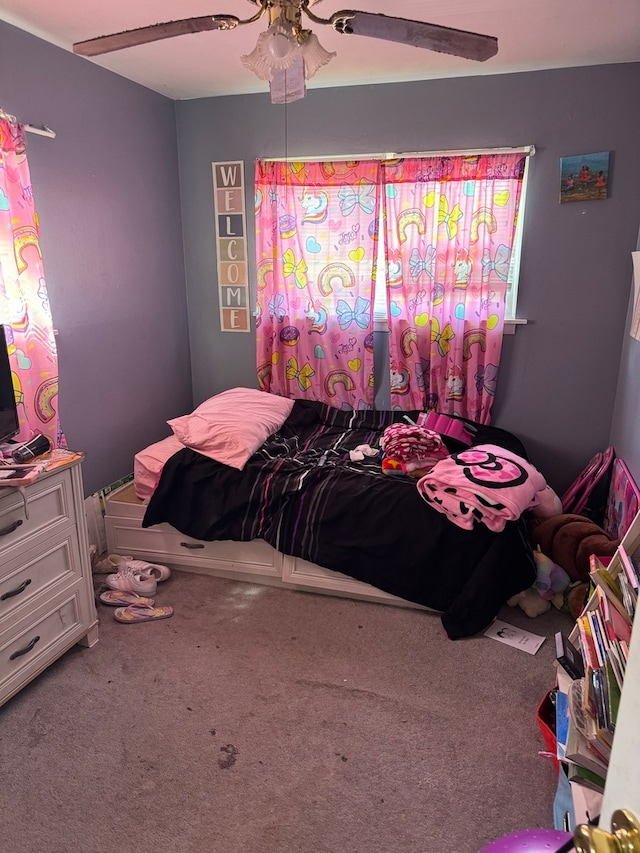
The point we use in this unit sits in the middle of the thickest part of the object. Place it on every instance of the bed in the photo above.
(308, 493)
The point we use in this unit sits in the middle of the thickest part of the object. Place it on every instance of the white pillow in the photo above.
(231, 426)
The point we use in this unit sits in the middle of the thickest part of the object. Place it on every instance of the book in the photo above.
(568, 656)
(628, 566)
(599, 562)
(580, 751)
(629, 595)
(587, 643)
(577, 773)
(562, 723)
(614, 692)
(598, 685)
(615, 662)
(603, 579)
(503, 632)
(20, 475)
(583, 713)
(597, 632)
(617, 625)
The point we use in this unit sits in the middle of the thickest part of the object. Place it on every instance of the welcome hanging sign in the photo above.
(231, 245)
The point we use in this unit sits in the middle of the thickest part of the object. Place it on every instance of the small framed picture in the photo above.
(584, 177)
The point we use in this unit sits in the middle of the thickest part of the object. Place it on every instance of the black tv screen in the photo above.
(9, 424)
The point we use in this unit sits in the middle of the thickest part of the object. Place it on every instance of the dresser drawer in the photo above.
(32, 647)
(49, 508)
(35, 574)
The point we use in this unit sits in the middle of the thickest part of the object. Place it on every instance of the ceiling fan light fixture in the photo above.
(282, 47)
(277, 47)
(315, 56)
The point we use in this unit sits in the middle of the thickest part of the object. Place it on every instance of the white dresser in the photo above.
(47, 601)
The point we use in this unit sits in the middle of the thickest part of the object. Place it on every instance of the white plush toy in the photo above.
(546, 503)
(550, 580)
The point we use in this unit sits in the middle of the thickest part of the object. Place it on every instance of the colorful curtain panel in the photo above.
(24, 306)
(450, 226)
(316, 245)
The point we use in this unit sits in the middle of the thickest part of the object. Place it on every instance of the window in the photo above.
(426, 247)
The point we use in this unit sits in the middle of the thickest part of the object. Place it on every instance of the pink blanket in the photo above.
(486, 484)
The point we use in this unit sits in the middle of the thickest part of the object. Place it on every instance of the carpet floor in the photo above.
(262, 720)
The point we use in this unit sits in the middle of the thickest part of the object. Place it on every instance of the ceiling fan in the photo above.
(287, 54)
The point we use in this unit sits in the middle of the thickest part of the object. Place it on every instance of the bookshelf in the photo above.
(598, 732)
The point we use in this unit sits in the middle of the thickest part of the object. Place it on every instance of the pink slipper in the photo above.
(118, 597)
(142, 613)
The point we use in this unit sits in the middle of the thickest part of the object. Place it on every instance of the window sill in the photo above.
(510, 326)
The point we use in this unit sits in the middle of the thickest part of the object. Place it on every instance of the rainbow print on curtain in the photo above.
(24, 305)
(316, 245)
(450, 227)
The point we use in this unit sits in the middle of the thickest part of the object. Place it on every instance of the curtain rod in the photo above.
(530, 150)
(40, 131)
(43, 130)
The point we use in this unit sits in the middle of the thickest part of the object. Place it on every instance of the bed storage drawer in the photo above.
(304, 575)
(163, 543)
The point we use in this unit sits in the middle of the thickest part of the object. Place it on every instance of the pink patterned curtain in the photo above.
(24, 306)
(450, 226)
(316, 239)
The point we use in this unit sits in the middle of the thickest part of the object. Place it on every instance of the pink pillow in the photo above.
(231, 426)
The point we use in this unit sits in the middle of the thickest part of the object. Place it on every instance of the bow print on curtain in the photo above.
(24, 305)
(450, 227)
(316, 239)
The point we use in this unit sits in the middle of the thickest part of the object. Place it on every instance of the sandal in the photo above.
(118, 597)
(142, 613)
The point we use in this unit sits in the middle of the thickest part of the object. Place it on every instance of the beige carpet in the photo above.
(258, 720)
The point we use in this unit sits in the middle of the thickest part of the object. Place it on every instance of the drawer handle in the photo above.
(17, 591)
(6, 530)
(193, 546)
(24, 651)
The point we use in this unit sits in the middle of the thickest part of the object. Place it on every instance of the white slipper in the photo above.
(150, 570)
(129, 580)
(116, 563)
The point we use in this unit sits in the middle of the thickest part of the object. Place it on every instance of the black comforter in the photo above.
(302, 494)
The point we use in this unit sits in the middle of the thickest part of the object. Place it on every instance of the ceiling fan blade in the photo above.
(429, 36)
(155, 32)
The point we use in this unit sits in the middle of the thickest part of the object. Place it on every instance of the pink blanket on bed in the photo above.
(486, 484)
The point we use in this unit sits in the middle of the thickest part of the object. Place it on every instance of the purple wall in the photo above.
(558, 377)
(107, 193)
(109, 197)
(625, 431)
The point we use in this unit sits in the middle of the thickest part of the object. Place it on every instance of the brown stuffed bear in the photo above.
(569, 540)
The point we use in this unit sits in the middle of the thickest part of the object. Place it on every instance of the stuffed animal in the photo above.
(551, 579)
(569, 540)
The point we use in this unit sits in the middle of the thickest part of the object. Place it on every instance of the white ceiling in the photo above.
(532, 35)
